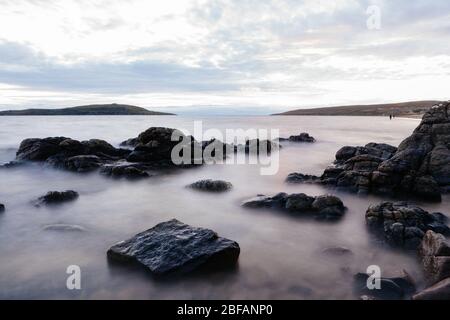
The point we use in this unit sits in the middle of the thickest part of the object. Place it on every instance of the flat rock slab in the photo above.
(173, 246)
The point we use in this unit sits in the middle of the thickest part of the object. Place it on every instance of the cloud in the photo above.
(218, 52)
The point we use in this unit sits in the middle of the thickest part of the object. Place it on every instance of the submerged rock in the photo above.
(419, 167)
(401, 224)
(173, 246)
(57, 197)
(64, 227)
(390, 288)
(211, 185)
(321, 207)
(434, 252)
(302, 137)
(302, 178)
(337, 251)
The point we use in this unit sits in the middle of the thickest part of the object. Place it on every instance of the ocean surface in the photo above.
(280, 255)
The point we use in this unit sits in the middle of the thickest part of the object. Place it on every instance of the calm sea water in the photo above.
(280, 255)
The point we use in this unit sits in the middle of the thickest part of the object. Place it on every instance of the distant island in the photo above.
(410, 109)
(89, 110)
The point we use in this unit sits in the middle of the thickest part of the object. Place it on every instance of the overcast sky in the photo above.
(238, 53)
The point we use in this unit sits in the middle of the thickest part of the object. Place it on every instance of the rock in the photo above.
(302, 137)
(418, 168)
(64, 227)
(57, 197)
(173, 246)
(434, 252)
(390, 288)
(124, 170)
(401, 224)
(2, 208)
(321, 207)
(82, 163)
(302, 178)
(257, 146)
(439, 291)
(211, 185)
(337, 251)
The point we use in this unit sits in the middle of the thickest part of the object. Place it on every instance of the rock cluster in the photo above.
(321, 207)
(56, 197)
(173, 246)
(403, 225)
(302, 137)
(434, 252)
(419, 167)
(211, 185)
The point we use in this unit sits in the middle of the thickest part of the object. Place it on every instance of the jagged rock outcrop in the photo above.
(173, 246)
(211, 185)
(56, 197)
(403, 225)
(321, 207)
(419, 167)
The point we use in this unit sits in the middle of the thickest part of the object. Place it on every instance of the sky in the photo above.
(251, 56)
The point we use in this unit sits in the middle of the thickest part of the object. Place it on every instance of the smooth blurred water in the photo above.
(280, 255)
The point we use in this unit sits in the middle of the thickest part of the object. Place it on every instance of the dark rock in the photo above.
(257, 146)
(211, 185)
(124, 170)
(2, 208)
(419, 167)
(57, 197)
(435, 254)
(302, 178)
(81, 163)
(302, 137)
(321, 207)
(173, 246)
(439, 291)
(401, 224)
(390, 288)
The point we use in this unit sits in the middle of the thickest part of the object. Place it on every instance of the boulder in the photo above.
(211, 185)
(395, 288)
(438, 291)
(401, 224)
(434, 252)
(57, 197)
(2, 208)
(321, 207)
(418, 168)
(173, 246)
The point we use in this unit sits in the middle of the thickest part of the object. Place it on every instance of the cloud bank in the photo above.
(248, 53)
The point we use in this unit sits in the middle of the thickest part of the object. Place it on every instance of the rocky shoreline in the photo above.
(418, 169)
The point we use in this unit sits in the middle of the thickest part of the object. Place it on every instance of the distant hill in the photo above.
(89, 110)
(404, 109)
